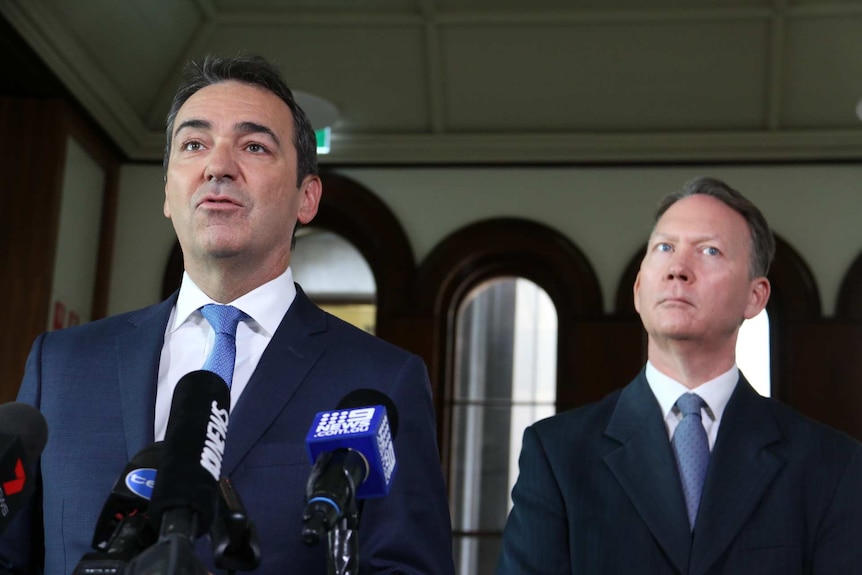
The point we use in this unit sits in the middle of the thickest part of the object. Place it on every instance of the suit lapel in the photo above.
(740, 470)
(282, 368)
(645, 467)
(138, 354)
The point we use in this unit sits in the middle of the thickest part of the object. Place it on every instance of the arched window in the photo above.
(504, 380)
(506, 296)
(335, 276)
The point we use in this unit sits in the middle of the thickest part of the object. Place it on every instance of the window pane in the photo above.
(486, 444)
(505, 379)
(752, 352)
(335, 276)
(477, 555)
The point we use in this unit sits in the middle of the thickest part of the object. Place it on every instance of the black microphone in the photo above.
(123, 529)
(130, 495)
(354, 458)
(23, 435)
(186, 490)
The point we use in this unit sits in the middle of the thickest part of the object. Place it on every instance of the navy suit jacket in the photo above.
(599, 493)
(96, 386)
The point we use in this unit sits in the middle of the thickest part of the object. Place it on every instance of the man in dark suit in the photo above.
(241, 174)
(687, 470)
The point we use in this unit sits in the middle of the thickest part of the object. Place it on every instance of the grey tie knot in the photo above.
(690, 404)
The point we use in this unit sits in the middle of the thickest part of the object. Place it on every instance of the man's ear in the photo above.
(758, 297)
(309, 201)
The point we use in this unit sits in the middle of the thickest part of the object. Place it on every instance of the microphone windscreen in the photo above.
(193, 448)
(27, 423)
(365, 397)
(364, 421)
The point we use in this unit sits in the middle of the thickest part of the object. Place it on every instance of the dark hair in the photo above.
(762, 241)
(254, 71)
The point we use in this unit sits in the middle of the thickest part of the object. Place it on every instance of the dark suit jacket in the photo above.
(96, 386)
(599, 493)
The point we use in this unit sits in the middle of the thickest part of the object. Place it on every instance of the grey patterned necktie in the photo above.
(224, 320)
(691, 447)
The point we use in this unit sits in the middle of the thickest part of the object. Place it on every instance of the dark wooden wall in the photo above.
(33, 136)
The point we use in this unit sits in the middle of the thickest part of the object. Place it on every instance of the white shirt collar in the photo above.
(715, 392)
(266, 304)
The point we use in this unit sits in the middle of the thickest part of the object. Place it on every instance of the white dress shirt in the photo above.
(189, 337)
(715, 392)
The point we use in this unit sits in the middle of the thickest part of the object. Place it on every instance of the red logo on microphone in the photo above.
(12, 487)
(15, 485)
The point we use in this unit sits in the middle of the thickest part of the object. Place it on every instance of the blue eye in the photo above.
(711, 251)
(663, 247)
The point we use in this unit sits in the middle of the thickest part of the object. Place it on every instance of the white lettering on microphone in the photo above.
(346, 422)
(213, 451)
(387, 450)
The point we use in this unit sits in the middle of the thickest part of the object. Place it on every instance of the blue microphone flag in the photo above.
(365, 430)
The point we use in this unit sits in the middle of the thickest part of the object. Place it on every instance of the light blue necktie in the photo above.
(223, 319)
(691, 447)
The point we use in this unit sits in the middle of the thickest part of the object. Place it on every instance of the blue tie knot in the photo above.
(690, 404)
(223, 318)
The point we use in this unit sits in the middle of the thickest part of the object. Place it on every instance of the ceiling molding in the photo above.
(787, 105)
(595, 148)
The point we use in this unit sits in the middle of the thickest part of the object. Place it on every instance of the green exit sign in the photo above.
(323, 139)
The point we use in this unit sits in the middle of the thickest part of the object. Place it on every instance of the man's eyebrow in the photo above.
(240, 127)
(197, 124)
(665, 236)
(255, 128)
(660, 236)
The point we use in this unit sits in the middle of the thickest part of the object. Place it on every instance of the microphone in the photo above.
(193, 450)
(185, 494)
(130, 495)
(354, 458)
(23, 435)
(123, 529)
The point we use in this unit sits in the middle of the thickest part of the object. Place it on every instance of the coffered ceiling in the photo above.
(496, 81)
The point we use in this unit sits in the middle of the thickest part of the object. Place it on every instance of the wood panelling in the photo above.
(32, 157)
(33, 139)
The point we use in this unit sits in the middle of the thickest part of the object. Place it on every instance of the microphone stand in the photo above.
(331, 508)
(174, 553)
(343, 539)
(233, 534)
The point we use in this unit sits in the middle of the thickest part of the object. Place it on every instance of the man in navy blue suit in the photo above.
(687, 470)
(240, 175)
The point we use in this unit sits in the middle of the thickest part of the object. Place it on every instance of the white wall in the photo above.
(606, 212)
(77, 237)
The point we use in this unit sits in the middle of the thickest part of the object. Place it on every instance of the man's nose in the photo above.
(221, 164)
(679, 270)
